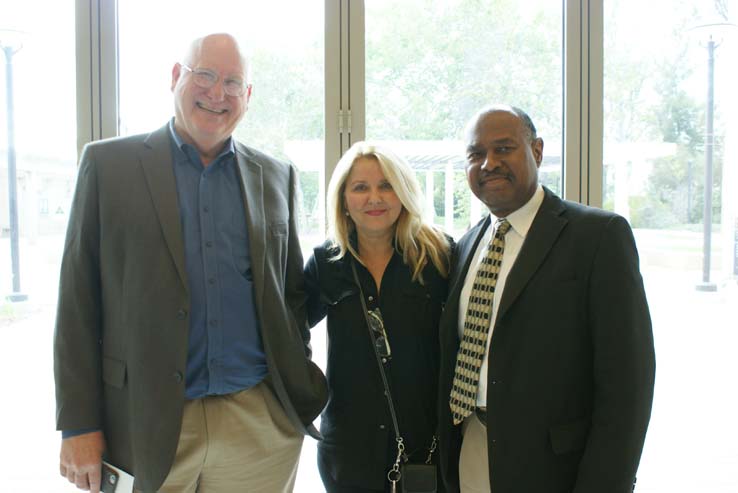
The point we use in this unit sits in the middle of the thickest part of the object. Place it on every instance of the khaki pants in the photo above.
(473, 460)
(240, 442)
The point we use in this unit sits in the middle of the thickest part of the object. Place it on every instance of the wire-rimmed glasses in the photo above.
(232, 86)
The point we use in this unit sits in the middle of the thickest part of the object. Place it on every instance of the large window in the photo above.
(285, 115)
(37, 141)
(425, 66)
(431, 65)
(660, 159)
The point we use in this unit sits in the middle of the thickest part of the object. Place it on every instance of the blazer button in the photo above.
(382, 427)
(177, 375)
(182, 314)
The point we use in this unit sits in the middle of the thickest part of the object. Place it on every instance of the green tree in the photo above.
(282, 80)
(647, 100)
(430, 68)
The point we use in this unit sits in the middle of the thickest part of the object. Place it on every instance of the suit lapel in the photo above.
(156, 161)
(541, 237)
(251, 175)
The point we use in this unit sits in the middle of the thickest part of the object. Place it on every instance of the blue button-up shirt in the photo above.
(226, 353)
(225, 349)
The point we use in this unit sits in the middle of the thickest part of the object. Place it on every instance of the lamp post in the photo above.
(10, 49)
(711, 28)
(706, 285)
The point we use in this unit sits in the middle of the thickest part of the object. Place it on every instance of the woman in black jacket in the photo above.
(401, 263)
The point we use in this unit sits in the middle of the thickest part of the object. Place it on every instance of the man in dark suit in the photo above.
(547, 364)
(181, 345)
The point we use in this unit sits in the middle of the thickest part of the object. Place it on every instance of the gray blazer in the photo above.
(121, 338)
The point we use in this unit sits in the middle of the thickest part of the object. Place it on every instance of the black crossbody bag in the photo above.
(413, 478)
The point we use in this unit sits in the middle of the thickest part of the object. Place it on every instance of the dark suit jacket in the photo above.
(571, 364)
(121, 336)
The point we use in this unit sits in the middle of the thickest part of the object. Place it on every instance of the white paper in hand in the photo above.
(121, 482)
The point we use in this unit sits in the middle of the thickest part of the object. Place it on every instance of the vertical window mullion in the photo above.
(583, 93)
(595, 84)
(356, 94)
(334, 123)
(97, 70)
(573, 103)
(85, 75)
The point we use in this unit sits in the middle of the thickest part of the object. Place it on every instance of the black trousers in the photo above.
(331, 486)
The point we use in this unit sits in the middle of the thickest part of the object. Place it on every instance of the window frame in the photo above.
(98, 94)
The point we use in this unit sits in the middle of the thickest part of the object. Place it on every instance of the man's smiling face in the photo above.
(204, 117)
(502, 160)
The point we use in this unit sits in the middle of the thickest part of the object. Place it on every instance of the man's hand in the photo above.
(81, 459)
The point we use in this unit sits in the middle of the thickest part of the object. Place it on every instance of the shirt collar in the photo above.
(228, 146)
(521, 219)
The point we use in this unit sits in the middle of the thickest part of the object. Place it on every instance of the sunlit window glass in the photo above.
(431, 65)
(38, 156)
(285, 114)
(671, 168)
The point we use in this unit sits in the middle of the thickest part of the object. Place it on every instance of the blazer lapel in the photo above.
(252, 177)
(541, 237)
(156, 161)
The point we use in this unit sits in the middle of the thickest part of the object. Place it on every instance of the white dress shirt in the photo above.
(520, 222)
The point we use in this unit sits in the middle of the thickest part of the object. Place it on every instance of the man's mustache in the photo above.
(496, 173)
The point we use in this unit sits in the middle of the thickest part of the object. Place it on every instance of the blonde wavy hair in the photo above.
(417, 240)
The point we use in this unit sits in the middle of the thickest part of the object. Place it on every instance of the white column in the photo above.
(475, 209)
(321, 202)
(622, 192)
(448, 207)
(430, 212)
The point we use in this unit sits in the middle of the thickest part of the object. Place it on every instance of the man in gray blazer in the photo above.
(181, 349)
(547, 358)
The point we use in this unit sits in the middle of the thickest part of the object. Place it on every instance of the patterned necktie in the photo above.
(476, 327)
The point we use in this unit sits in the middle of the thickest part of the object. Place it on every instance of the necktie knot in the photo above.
(503, 226)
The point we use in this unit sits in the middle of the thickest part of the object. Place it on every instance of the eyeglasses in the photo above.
(376, 323)
(207, 78)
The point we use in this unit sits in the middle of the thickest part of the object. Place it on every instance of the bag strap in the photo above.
(394, 473)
